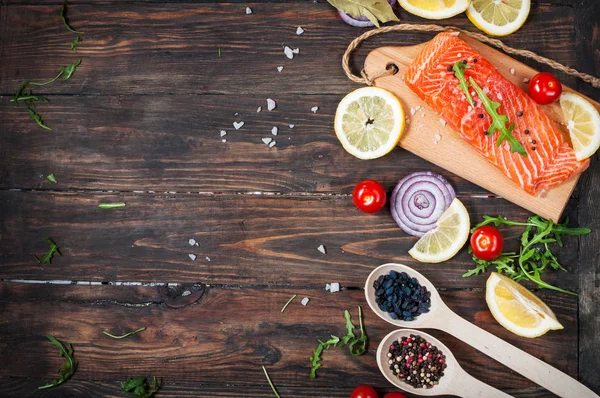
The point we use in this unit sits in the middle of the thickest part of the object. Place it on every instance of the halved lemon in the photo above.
(518, 309)
(498, 17)
(583, 123)
(369, 122)
(447, 238)
(435, 9)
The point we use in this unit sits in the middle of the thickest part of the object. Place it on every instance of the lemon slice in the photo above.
(583, 123)
(369, 122)
(498, 17)
(517, 309)
(435, 9)
(447, 238)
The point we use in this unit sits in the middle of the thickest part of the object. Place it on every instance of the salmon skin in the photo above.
(549, 161)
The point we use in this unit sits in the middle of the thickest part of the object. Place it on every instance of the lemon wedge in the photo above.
(499, 17)
(369, 122)
(447, 238)
(435, 9)
(583, 123)
(518, 309)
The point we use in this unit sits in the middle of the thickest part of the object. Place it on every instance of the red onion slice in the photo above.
(360, 21)
(419, 200)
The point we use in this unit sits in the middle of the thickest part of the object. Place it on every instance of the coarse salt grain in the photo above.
(186, 293)
(207, 258)
(438, 137)
(469, 108)
(292, 126)
(334, 287)
(526, 80)
(299, 30)
(274, 130)
(259, 109)
(192, 257)
(238, 125)
(412, 111)
(192, 242)
(305, 301)
(296, 51)
(288, 52)
(223, 133)
(512, 71)
(499, 96)
(322, 249)
(279, 68)
(314, 109)
(271, 104)
(267, 140)
(417, 107)
(460, 54)
(327, 287)
(570, 125)
(486, 90)
(248, 10)
(272, 144)
(223, 140)
(443, 122)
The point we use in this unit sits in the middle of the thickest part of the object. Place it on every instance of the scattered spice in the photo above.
(68, 368)
(111, 205)
(270, 382)
(51, 178)
(519, 113)
(416, 362)
(52, 248)
(480, 115)
(288, 302)
(533, 148)
(401, 296)
(449, 68)
(526, 131)
(126, 334)
(533, 142)
(475, 60)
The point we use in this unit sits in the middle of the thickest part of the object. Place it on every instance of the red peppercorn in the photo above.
(422, 345)
(420, 360)
(441, 361)
(428, 345)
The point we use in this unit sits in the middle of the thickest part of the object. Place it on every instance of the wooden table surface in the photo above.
(139, 122)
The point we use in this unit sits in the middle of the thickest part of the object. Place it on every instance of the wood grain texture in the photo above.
(588, 41)
(250, 239)
(227, 334)
(172, 143)
(173, 48)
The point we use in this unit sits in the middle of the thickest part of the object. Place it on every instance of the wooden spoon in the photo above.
(443, 318)
(455, 380)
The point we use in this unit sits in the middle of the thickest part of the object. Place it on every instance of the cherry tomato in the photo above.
(544, 88)
(394, 395)
(487, 243)
(369, 196)
(364, 392)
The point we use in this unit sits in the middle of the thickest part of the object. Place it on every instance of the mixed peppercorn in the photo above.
(401, 296)
(416, 362)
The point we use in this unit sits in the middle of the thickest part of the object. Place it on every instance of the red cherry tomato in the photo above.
(394, 395)
(369, 196)
(487, 243)
(544, 88)
(364, 392)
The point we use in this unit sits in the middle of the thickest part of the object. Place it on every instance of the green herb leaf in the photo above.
(499, 122)
(140, 387)
(68, 368)
(111, 205)
(375, 10)
(333, 341)
(126, 334)
(51, 178)
(219, 52)
(359, 346)
(459, 72)
(69, 69)
(270, 382)
(47, 259)
(288, 302)
(28, 98)
(63, 17)
(74, 44)
(37, 118)
(314, 361)
(349, 328)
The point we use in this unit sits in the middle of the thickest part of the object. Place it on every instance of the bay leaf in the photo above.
(375, 10)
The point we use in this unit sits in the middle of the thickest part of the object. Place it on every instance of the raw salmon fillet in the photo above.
(550, 163)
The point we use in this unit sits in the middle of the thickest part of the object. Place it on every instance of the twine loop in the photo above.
(368, 80)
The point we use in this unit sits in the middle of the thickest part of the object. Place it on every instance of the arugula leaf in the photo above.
(37, 118)
(270, 382)
(67, 369)
(74, 44)
(459, 72)
(47, 259)
(374, 10)
(51, 178)
(350, 330)
(63, 17)
(114, 206)
(140, 387)
(314, 361)
(126, 334)
(28, 98)
(333, 341)
(359, 346)
(499, 122)
(69, 69)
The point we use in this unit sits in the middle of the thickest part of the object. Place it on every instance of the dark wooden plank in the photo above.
(227, 334)
(169, 143)
(250, 239)
(588, 39)
(173, 48)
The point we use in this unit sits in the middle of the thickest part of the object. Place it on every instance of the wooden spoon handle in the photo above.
(518, 360)
(468, 386)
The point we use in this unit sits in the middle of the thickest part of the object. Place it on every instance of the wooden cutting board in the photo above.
(427, 137)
